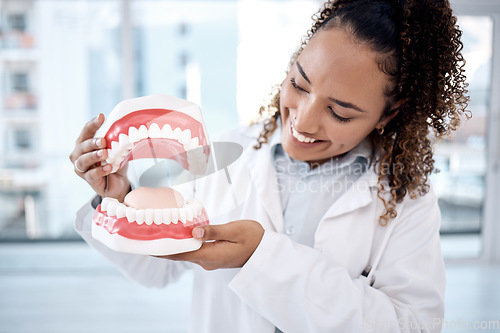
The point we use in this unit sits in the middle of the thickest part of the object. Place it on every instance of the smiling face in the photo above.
(332, 97)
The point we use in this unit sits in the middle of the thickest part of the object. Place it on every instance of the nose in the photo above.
(306, 118)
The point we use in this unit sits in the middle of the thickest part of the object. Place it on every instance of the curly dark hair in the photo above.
(419, 47)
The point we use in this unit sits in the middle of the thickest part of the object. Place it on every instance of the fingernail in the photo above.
(96, 119)
(100, 153)
(99, 143)
(107, 168)
(199, 233)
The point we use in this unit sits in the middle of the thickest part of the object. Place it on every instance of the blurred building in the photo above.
(21, 192)
(61, 64)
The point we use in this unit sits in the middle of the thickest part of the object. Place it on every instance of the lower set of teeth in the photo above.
(192, 209)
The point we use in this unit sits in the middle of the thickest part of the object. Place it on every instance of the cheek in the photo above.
(349, 134)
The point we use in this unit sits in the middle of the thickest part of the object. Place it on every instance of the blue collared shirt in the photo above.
(306, 194)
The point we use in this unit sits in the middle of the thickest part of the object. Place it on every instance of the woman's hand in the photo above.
(226, 246)
(86, 158)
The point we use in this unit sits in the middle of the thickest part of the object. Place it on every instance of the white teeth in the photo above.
(123, 138)
(115, 145)
(182, 215)
(112, 207)
(120, 212)
(143, 132)
(140, 216)
(133, 134)
(166, 131)
(174, 212)
(186, 214)
(111, 156)
(167, 215)
(124, 145)
(154, 131)
(185, 138)
(105, 203)
(194, 143)
(121, 148)
(149, 217)
(158, 216)
(177, 132)
(131, 214)
(301, 137)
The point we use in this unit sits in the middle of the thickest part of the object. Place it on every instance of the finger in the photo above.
(88, 146)
(86, 141)
(93, 175)
(87, 160)
(227, 232)
(87, 155)
(90, 128)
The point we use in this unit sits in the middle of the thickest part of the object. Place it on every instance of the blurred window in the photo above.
(23, 139)
(461, 159)
(20, 81)
(17, 22)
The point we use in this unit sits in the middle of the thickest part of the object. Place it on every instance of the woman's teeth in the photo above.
(301, 137)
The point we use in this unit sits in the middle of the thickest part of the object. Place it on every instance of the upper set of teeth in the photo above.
(120, 149)
(191, 210)
(301, 137)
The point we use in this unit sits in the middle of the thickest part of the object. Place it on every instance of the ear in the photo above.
(394, 110)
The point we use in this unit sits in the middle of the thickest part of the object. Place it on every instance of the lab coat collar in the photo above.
(266, 184)
(357, 196)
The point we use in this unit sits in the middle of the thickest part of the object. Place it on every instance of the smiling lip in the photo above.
(301, 143)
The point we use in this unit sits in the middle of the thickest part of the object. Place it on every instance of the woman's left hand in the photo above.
(225, 246)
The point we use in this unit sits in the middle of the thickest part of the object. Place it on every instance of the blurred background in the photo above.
(62, 62)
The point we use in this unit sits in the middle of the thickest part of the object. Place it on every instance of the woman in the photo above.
(361, 254)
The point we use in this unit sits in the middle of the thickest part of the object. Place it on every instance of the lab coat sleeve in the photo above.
(146, 270)
(299, 289)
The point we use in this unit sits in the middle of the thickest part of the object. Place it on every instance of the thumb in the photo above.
(214, 232)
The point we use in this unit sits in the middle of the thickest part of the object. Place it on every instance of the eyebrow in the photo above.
(301, 71)
(336, 101)
(346, 104)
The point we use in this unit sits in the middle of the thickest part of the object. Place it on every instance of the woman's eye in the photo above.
(296, 86)
(337, 117)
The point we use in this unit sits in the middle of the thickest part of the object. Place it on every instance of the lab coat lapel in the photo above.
(263, 174)
(358, 195)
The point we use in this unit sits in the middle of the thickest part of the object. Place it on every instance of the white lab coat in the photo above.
(301, 289)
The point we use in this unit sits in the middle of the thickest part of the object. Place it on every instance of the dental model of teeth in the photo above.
(153, 221)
